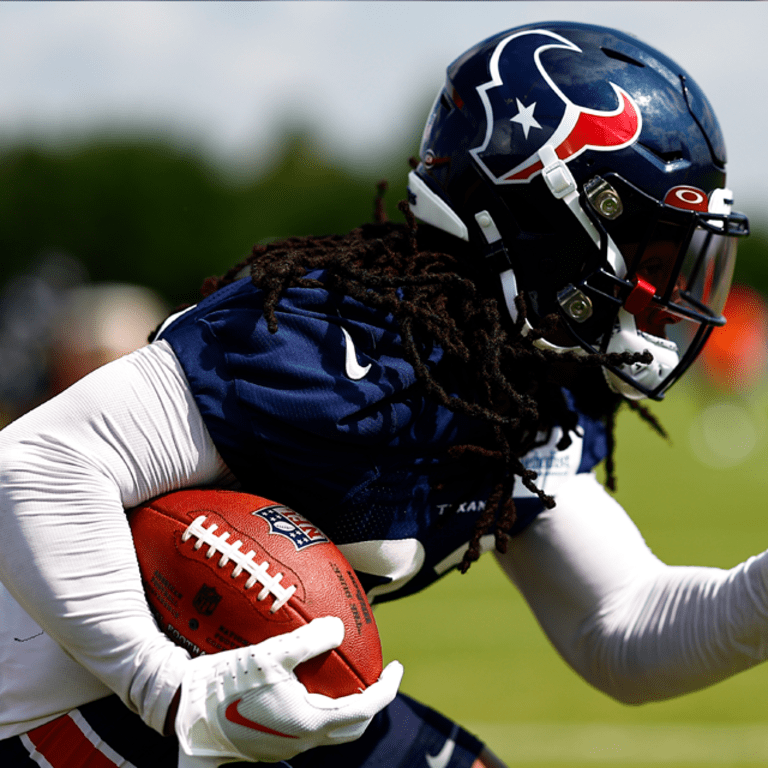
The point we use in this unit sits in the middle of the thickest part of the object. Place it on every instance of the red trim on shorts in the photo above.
(64, 745)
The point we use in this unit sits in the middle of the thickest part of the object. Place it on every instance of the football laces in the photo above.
(219, 544)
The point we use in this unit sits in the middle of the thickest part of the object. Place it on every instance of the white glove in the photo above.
(247, 703)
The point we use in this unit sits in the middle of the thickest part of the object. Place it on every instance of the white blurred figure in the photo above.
(55, 327)
(99, 323)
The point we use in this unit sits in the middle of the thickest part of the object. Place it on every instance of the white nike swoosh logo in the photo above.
(352, 368)
(443, 757)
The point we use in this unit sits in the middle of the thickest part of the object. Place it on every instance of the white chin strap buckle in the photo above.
(626, 338)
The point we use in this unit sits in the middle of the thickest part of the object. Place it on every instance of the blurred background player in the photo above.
(56, 326)
(99, 323)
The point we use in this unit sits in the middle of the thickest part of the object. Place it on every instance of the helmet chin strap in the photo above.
(509, 288)
(509, 285)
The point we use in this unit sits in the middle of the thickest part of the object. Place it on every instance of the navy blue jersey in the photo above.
(328, 417)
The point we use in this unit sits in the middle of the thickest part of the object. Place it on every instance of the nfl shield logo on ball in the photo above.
(206, 600)
(293, 526)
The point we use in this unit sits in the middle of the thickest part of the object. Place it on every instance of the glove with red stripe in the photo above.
(247, 704)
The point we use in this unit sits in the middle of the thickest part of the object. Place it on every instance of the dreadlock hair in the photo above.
(417, 275)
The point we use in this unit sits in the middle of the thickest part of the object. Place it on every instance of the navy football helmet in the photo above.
(588, 169)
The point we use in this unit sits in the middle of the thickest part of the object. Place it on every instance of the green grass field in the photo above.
(472, 650)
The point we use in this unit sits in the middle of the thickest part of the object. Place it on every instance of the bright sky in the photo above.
(227, 75)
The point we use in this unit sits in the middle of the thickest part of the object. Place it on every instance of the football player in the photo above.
(425, 391)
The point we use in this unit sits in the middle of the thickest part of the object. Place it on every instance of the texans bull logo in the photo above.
(509, 159)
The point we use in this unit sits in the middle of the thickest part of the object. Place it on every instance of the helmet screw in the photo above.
(609, 206)
(578, 309)
(603, 198)
(576, 304)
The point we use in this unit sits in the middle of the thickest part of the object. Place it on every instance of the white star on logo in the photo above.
(525, 117)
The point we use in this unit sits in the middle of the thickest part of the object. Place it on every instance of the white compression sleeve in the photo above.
(125, 433)
(633, 627)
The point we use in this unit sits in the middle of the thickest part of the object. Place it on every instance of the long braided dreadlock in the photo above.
(417, 274)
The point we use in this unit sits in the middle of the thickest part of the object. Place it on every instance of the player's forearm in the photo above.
(67, 470)
(682, 630)
(633, 627)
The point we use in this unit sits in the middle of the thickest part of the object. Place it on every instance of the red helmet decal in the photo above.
(579, 127)
(687, 198)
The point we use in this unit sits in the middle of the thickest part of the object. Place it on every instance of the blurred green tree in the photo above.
(144, 211)
(752, 259)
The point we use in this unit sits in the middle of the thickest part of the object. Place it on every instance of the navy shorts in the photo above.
(104, 734)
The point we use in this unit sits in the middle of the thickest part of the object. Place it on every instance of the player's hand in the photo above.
(247, 703)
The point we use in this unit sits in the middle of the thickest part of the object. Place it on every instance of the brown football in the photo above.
(223, 569)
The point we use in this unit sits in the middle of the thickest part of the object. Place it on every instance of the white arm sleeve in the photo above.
(125, 433)
(633, 627)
